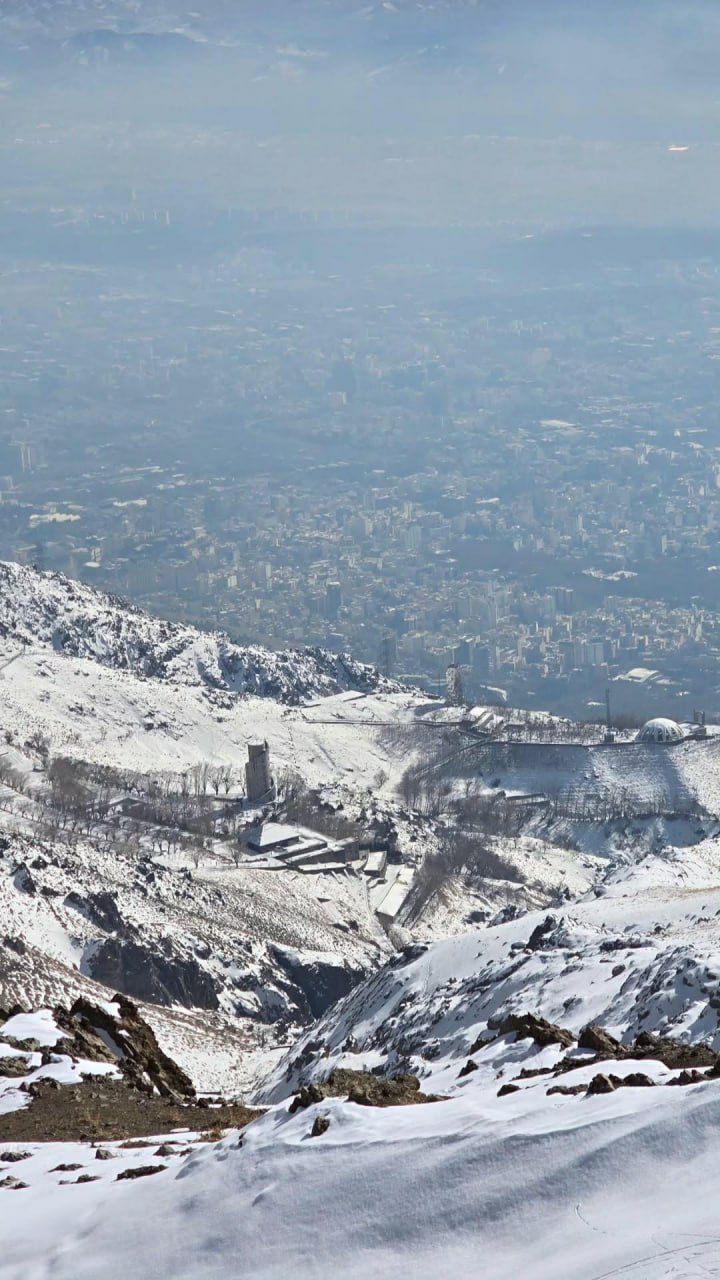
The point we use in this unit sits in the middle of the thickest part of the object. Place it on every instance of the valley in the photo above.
(506, 920)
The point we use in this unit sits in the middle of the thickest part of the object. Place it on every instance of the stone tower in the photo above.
(258, 779)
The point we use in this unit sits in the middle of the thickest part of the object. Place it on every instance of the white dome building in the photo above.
(660, 730)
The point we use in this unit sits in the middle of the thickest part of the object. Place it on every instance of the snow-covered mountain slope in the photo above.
(533, 1145)
(541, 1156)
(52, 611)
(640, 953)
(222, 957)
(114, 717)
(523, 1186)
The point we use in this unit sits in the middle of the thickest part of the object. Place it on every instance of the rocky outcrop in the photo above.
(317, 982)
(145, 974)
(101, 909)
(93, 1033)
(671, 1053)
(602, 1083)
(365, 1089)
(600, 1042)
(529, 1026)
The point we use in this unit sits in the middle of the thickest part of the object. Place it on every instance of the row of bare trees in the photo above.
(610, 803)
(528, 726)
(299, 804)
(14, 778)
(460, 855)
(200, 780)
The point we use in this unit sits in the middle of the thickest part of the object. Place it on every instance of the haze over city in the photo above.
(414, 300)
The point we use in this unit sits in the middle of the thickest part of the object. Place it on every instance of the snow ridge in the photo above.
(50, 610)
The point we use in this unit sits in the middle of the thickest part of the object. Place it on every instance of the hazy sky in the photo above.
(457, 113)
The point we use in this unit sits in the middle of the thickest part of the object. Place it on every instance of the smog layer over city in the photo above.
(393, 330)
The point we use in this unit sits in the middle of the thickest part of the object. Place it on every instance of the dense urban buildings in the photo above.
(420, 472)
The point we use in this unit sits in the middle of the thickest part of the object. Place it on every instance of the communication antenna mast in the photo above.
(386, 655)
(609, 731)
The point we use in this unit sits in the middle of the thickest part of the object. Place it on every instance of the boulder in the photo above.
(528, 1026)
(467, 1070)
(140, 1171)
(600, 1042)
(602, 1084)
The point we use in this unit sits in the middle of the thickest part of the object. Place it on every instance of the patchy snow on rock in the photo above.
(52, 611)
(38, 1026)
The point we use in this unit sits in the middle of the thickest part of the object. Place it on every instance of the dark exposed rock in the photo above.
(673, 1054)
(23, 880)
(102, 1153)
(505, 1089)
(600, 1042)
(660, 1048)
(39, 1088)
(15, 944)
(567, 1090)
(66, 1168)
(14, 1009)
(12, 1157)
(141, 972)
(479, 1044)
(316, 984)
(87, 1177)
(129, 1040)
(81, 1038)
(407, 955)
(365, 1089)
(689, 1077)
(526, 1025)
(468, 1069)
(14, 1067)
(12, 1184)
(637, 1080)
(140, 1171)
(105, 1109)
(321, 1124)
(541, 933)
(601, 1084)
(100, 909)
(308, 1095)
